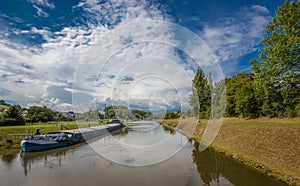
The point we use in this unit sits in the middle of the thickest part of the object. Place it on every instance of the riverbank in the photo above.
(16, 133)
(271, 146)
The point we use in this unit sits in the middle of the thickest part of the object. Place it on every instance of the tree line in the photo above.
(16, 115)
(273, 88)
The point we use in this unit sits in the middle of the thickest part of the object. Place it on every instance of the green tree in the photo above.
(2, 102)
(200, 99)
(91, 115)
(109, 112)
(37, 113)
(15, 112)
(172, 115)
(278, 65)
(235, 87)
(13, 116)
(246, 102)
(219, 98)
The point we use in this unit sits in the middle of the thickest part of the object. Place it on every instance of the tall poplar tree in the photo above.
(200, 100)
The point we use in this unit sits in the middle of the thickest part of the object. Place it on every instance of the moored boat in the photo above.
(50, 141)
(116, 121)
(66, 138)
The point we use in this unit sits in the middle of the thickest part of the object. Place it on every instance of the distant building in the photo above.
(70, 115)
(24, 113)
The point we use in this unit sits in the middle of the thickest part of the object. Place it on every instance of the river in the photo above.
(140, 154)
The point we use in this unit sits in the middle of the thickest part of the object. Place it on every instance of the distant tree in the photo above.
(172, 115)
(200, 99)
(219, 98)
(13, 116)
(58, 116)
(246, 102)
(14, 111)
(91, 115)
(140, 114)
(278, 66)
(37, 113)
(236, 86)
(123, 112)
(2, 102)
(109, 112)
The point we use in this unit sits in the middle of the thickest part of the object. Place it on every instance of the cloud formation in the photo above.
(232, 37)
(108, 60)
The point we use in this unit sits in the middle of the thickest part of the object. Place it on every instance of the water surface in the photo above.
(82, 165)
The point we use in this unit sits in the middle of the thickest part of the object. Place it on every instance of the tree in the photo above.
(13, 116)
(109, 112)
(123, 112)
(91, 115)
(200, 99)
(171, 115)
(37, 113)
(236, 86)
(2, 102)
(15, 112)
(278, 65)
(219, 99)
(246, 102)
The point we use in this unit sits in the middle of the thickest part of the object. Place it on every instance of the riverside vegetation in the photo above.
(273, 89)
(270, 146)
(271, 94)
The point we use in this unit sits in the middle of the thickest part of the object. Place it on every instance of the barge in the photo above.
(66, 138)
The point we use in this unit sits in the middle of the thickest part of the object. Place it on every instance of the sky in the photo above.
(78, 55)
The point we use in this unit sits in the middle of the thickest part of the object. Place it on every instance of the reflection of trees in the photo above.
(8, 158)
(212, 165)
(169, 129)
(207, 164)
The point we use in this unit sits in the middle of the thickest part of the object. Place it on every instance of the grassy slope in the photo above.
(271, 146)
(4, 107)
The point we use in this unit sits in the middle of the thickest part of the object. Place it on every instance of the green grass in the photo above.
(4, 107)
(271, 146)
(16, 133)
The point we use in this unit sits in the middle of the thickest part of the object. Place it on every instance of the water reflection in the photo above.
(54, 157)
(50, 158)
(144, 144)
(9, 158)
(214, 166)
(168, 129)
(80, 165)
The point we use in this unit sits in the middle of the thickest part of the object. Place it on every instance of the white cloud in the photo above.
(40, 12)
(232, 37)
(40, 5)
(260, 8)
(43, 3)
(125, 43)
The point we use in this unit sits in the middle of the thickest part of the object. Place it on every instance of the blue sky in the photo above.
(76, 54)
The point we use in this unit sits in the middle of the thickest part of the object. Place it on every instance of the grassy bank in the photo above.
(271, 146)
(16, 133)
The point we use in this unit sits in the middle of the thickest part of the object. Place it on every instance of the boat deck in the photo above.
(92, 129)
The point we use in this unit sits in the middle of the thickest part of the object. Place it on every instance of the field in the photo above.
(16, 133)
(4, 107)
(271, 146)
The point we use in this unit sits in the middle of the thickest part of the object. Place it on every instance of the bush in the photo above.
(11, 122)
